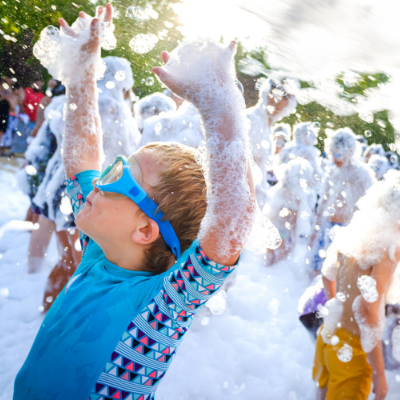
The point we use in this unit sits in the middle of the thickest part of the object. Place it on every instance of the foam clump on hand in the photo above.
(60, 53)
(206, 75)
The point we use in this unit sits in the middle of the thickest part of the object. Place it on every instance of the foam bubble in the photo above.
(217, 303)
(110, 85)
(31, 170)
(334, 309)
(141, 14)
(120, 75)
(367, 286)
(143, 43)
(371, 334)
(65, 206)
(345, 354)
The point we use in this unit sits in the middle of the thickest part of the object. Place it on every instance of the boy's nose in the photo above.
(95, 188)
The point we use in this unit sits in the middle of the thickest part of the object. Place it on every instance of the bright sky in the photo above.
(216, 18)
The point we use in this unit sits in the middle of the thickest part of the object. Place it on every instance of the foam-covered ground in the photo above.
(256, 349)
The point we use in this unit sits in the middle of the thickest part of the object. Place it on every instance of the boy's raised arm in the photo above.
(204, 74)
(83, 142)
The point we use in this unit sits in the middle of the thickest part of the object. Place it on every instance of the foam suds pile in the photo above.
(55, 45)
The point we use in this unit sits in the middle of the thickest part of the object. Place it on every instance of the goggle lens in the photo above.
(114, 172)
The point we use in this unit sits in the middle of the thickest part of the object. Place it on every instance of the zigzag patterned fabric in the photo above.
(149, 344)
(74, 191)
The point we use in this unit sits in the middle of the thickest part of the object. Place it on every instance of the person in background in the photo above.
(33, 96)
(345, 183)
(4, 106)
(281, 135)
(151, 105)
(380, 165)
(44, 103)
(14, 138)
(373, 149)
(357, 275)
(275, 102)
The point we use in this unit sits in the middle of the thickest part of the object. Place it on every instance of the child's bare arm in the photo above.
(83, 142)
(330, 288)
(208, 82)
(370, 318)
(375, 359)
(382, 273)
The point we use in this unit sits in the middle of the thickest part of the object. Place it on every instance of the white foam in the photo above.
(367, 286)
(333, 315)
(55, 45)
(370, 334)
(345, 353)
(183, 126)
(149, 106)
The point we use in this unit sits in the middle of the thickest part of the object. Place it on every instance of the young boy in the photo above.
(356, 274)
(346, 181)
(116, 326)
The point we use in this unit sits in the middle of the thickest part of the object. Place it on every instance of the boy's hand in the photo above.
(177, 75)
(93, 45)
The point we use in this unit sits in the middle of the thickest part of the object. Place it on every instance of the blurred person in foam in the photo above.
(303, 146)
(275, 102)
(120, 131)
(281, 135)
(17, 123)
(380, 165)
(373, 149)
(32, 98)
(393, 159)
(152, 105)
(182, 126)
(51, 84)
(4, 106)
(347, 179)
(357, 277)
(289, 206)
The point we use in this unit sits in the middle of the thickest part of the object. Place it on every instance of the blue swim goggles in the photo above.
(122, 179)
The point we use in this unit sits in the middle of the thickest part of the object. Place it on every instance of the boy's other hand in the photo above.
(92, 46)
(183, 87)
(380, 386)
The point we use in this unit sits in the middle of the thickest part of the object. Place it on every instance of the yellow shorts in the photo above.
(345, 380)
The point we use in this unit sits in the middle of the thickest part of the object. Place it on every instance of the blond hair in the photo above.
(181, 195)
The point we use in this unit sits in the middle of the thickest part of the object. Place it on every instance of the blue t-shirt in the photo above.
(112, 333)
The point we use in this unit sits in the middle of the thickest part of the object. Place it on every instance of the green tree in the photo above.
(378, 131)
(23, 20)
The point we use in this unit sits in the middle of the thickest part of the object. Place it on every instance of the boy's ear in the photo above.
(146, 232)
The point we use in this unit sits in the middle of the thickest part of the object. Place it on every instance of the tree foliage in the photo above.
(22, 21)
(378, 131)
